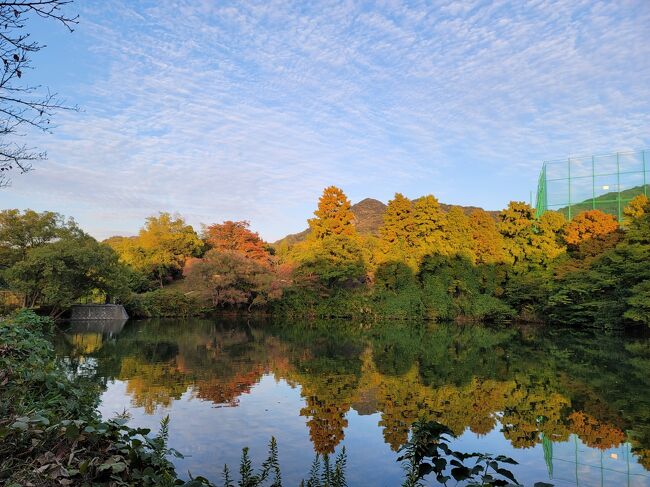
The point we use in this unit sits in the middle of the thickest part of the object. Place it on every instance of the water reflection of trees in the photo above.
(535, 383)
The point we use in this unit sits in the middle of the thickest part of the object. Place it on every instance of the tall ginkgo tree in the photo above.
(332, 251)
(333, 217)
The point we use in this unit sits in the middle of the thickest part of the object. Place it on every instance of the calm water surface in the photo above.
(573, 408)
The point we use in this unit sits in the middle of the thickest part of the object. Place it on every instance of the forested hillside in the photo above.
(368, 218)
(410, 259)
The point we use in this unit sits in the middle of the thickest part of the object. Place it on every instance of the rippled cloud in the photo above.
(246, 110)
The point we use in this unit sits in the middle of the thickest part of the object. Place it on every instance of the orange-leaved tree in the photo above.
(229, 279)
(231, 236)
(333, 216)
(587, 226)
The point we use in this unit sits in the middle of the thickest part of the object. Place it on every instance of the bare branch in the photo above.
(22, 105)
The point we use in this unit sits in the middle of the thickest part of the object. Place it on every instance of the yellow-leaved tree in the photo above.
(487, 242)
(458, 234)
(161, 248)
(428, 226)
(397, 236)
(332, 252)
(517, 225)
(635, 209)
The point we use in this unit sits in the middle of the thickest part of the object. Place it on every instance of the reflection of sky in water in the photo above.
(210, 436)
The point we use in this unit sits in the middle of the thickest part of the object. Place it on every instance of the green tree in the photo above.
(332, 252)
(610, 286)
(334, 260)
(638, 303)
(58, 274)
(167, 242)
(532, 246)
(22, 231)
(454, 287)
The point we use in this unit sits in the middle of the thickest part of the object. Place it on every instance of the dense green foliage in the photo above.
(426, 261)
(62, 272)
(162, 303)
(50, 431)
(49, 262)
(608, 285)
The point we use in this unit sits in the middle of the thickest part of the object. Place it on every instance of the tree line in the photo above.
(424, 262)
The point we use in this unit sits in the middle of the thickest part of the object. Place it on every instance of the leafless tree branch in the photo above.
(21, 104)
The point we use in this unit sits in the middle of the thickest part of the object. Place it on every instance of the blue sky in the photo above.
(247, 110)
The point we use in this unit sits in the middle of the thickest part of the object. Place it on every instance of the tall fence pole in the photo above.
(593, 182)
(618, 186)
(569, 180)
(544, 199)
(645, 185)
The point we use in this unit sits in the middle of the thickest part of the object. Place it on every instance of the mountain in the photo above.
(368, 217)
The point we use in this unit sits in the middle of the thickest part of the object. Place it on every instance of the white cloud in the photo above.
(247, 110)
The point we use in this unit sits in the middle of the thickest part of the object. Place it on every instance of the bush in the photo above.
(486, 307)
(404, 304)
(438, 303)
(31, 380)
(162, 303)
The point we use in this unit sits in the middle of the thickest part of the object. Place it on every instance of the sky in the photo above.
(221, 110)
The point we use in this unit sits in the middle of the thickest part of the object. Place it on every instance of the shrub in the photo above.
(162, 303)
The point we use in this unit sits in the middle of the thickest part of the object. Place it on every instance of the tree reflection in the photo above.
(538, 385)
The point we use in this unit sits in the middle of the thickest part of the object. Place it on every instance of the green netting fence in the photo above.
(604, 182)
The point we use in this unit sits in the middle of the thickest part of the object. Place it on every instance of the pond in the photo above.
(572, 407)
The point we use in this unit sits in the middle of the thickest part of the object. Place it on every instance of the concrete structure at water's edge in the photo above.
(98, 312)
(604, 182)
